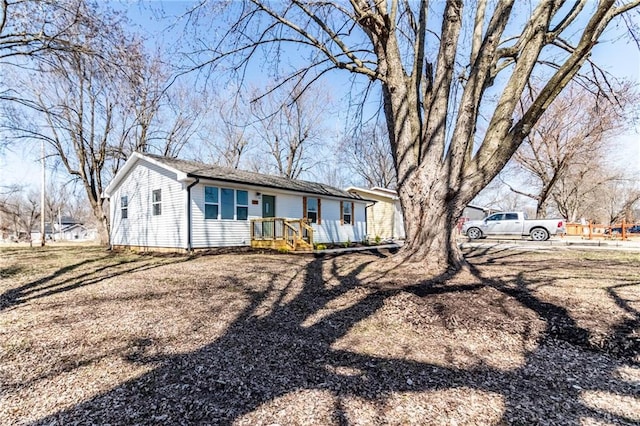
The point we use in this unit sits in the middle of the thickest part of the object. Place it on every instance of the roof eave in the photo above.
(281, 188)
(130, 163)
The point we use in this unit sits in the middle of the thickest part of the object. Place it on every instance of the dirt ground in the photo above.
(526, 337)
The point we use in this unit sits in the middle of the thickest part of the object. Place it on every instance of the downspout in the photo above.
(191, 185)
(393, 219)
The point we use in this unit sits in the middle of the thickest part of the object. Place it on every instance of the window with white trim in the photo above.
(225, 203)
(312, 209)
(211, 204)
(124, 207)
(346, 213)
(156, 202)
(242, 205)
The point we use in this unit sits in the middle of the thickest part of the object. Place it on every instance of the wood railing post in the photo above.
(590, 229)
(624, 230)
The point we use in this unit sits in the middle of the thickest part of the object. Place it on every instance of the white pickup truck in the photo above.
(514, 223)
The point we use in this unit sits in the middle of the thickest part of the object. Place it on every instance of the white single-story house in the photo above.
(385, 218)
(161, 202)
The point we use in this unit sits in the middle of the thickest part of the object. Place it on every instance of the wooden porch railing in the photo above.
(278, 232)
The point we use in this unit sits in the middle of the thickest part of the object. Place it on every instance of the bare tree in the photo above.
(578, 193)
(434, 75)
(226, 134)
(75, 101)
(575, 133)
(162, 115)
(21, 210)
(28, 30)
(292, 128)
(96, 104)
(368, 154)
(497, 196)
(617, 200)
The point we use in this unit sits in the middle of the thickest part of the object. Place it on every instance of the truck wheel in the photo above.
(539, 234)
(474, 233)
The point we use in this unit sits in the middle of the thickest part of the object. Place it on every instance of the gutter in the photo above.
(345, 196)
(191, 185)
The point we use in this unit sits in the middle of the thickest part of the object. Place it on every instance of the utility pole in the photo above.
(42, 197)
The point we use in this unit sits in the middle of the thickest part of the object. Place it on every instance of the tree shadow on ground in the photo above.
(273, 350)
(77, 275)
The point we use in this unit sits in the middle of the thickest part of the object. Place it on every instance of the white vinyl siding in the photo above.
(398, 221)
(221, 232)
(332, 230)
(142, 228)
(231, 232)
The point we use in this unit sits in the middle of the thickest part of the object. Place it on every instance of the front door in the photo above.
(268, 210)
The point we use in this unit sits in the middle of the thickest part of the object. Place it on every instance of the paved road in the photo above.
(554, 243)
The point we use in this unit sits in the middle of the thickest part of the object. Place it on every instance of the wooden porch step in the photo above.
(302, 246)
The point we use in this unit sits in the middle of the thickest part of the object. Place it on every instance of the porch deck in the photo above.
(281, 234)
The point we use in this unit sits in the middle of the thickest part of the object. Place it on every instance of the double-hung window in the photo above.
(211, 204)
(311, 208)
(156, 202)
(346, 213)
(225, 203)
(226, 199)
(124, 207)
(242, 205)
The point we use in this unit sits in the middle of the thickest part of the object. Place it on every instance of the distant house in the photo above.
(78, 232)
(160, 202)
(472, 212)
(385, 219)
(67, 228)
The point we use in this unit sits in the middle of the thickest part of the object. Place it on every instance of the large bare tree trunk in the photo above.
(431, 234)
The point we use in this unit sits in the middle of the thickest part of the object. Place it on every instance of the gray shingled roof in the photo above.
(207, 171)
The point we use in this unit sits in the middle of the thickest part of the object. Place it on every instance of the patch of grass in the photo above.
(12, 270)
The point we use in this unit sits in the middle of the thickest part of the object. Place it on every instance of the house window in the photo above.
(346, 213)
(311, 208)
(156, 202)
(124, 206)
(211, 204)
(242, 205)
(228, 203)
(226, 197)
